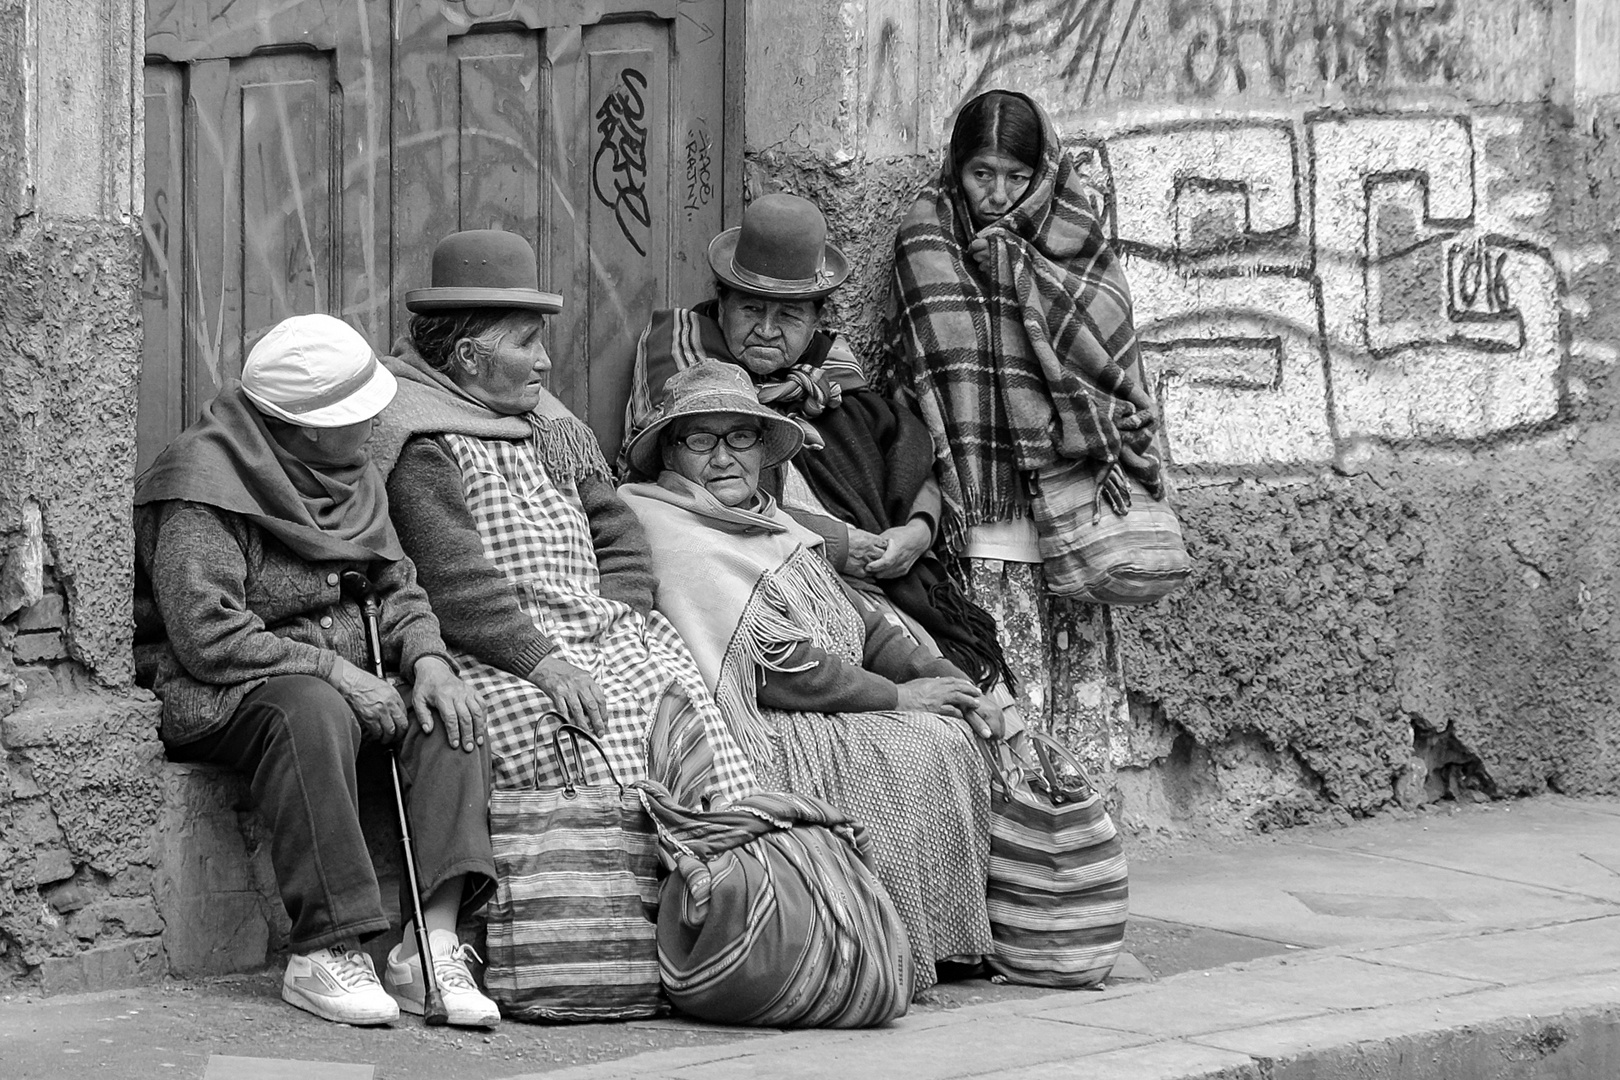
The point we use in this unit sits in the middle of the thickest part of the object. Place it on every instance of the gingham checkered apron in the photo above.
(535, 530)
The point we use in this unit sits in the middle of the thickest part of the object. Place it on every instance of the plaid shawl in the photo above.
(1032, 362)
(867, 460)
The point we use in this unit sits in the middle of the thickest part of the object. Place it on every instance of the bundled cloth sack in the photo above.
(772, 916)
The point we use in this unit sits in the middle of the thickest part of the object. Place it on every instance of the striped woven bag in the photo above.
(1057, 894)
(1092, 552)
(570, 934)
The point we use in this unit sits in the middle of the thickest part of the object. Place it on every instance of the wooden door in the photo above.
(308, 155)
(599, 131)
(267, 165)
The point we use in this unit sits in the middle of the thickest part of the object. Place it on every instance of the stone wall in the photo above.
(1372, 249)
(79, 757)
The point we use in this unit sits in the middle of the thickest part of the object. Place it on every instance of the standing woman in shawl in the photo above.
(1013, 330)
(244, 527)
(539, 573)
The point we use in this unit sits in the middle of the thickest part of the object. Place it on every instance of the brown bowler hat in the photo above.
(779, 251)
(484, 268)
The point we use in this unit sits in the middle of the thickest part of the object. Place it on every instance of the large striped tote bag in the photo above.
(571, 931)
(1057, 899)
(772, 917)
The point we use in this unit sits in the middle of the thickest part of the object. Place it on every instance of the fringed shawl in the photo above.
(429, 403)
(1031, 362)
(744, 589)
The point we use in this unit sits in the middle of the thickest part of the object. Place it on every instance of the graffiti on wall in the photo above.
(1083, 38)
(1208, 48)
(619, 169)
(1231, 45)
(1299, 283)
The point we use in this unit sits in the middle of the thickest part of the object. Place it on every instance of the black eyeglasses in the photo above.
(703, 442)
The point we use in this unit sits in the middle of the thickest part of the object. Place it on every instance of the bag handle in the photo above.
(1046, 748)
(573, 778)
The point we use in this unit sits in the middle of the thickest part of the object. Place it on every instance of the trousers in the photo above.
(296, 739)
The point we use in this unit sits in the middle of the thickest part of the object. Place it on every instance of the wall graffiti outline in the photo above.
(1332, 276)
(621, 147)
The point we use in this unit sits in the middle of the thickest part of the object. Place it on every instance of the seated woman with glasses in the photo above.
(826, 693)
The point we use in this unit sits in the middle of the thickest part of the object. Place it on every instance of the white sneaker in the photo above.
(338, 983)
(465, 1004)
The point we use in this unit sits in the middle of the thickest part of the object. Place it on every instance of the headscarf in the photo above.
(229, 459)
(1031, 363)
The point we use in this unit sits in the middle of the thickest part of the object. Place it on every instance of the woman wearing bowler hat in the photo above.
(539, 573)
(245, 526)
(864, 481)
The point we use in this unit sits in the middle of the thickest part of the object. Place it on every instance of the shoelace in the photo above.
(451, 970)
(349, 968)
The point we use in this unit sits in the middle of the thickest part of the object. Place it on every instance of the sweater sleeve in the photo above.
(476, 603)
(893, 653)
(834, 685)
(198, 572)
(622, 556)
(928, 504)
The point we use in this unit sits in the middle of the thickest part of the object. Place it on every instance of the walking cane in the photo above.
(358, 588)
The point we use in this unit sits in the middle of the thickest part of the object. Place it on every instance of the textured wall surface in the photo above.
(80, 762)
(1373, 254)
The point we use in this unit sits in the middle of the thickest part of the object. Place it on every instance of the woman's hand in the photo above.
(376, 704)
(986, 720)
(573, 692)
(1112, 491)
(437, 691)
(943, 694)
(906, 545)
(979, 251)
(864, 547)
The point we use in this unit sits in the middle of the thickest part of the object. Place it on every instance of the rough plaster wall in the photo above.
(70, 337)
(1373, 253)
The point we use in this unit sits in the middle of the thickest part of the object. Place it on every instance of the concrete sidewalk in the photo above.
(1475, 943)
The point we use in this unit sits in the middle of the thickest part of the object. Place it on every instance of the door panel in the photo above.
(627, 200)
(597, 130)
(164, 404)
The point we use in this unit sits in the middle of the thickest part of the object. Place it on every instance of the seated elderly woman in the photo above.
(865, 482)
(244, 529)
(537, 570)
(827, 695)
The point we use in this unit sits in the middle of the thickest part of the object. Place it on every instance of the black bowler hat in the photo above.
(779, 251)
(484, 268)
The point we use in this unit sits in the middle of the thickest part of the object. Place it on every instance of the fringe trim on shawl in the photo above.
(800, 601)
(566, 447)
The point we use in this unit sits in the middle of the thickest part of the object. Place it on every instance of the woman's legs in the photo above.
(295, 738)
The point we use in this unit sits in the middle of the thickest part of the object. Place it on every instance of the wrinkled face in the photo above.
(993, 183)
(766, 335)
(508, 376)
(323, 448)
(729, 474)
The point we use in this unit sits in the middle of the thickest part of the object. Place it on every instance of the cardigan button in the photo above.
(331, 579)
(326, 622)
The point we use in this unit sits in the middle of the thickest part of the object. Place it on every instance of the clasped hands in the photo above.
(950, 695)
(436, 694)
(888, 554)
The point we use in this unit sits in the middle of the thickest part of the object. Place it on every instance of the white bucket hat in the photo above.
(316, 371)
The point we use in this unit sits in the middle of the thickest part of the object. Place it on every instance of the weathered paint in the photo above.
(1371, 261)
